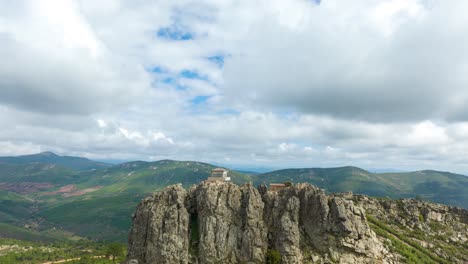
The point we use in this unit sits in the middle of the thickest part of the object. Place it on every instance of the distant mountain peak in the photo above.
(49, 157)
(47, 153)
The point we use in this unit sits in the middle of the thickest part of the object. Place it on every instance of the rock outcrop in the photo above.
(160, 228)
(441, 229)
(217, 222)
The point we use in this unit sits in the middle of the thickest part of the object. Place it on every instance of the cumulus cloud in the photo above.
(53, 62)
(372, 83)
(407, 65)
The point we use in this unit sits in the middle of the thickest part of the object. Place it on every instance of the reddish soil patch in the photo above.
(25, 187)
(84, 191)
(63, 189)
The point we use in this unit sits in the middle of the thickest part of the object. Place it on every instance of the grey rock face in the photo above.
(307, 226)
(433, 226)
(160, 228)
(410, 212)
(216, 222)
(228, 223)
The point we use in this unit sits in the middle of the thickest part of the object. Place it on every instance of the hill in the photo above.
(74, 163)
(35, 173)
(98, 203)
(116, 191)
(437, 186)
(219, 222)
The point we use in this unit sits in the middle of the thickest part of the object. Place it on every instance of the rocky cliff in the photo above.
(216, 222)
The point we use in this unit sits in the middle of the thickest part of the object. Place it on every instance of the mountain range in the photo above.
(47, 196)
(74, 163)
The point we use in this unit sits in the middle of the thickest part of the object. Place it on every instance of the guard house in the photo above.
(219, 175)
(274, 187)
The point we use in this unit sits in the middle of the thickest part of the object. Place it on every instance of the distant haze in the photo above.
(255, 84)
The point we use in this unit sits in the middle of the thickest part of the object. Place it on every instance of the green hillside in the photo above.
(14, 207)
(74, 163)
(436, 186)
(340, 179)
(35, 172)
(109, 210)
(98, 203)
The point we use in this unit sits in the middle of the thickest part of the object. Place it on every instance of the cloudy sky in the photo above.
(273, 83)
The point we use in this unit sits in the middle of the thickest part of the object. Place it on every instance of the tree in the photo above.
(115, 250)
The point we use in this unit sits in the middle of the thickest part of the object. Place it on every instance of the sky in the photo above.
(253, 83)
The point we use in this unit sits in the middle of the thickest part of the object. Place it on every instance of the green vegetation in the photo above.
(30, 197)
(108, 208)
(12, 231)
(421, 218)
(104, 218)
(73, 163)
(273, 257)
(36, 173)
(436, 186)
(408, 248)
(18, 251)
(115, 251)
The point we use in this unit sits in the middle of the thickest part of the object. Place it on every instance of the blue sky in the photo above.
(175, 34)
(301, 83)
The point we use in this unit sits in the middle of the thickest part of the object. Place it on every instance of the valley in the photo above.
(50, 201)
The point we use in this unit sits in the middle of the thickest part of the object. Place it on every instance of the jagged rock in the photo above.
(160, 228)
(436, 226)
(227, 217)
(215, 222)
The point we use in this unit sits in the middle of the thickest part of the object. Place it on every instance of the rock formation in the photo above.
(438, 228)
(217, 222)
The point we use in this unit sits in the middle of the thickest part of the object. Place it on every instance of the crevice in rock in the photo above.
(194, 234)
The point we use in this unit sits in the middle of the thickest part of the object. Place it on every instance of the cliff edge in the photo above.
(215, 222)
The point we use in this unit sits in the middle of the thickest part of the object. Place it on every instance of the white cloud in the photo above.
(53, 62)
(101, 123)
(18, 148)
(427, 134)
(389, 15)
(376, 83)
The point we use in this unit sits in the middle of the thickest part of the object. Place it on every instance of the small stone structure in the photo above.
(219, 175)
(274, 187)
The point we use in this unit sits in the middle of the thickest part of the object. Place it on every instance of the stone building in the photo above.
(219, 175)
(274, 187)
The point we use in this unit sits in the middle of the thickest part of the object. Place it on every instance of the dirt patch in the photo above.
(71, 190)
(71, 259)
(84, 191)
(63, 189)
(25, 187)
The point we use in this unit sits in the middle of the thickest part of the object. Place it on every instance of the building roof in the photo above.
(218, 169)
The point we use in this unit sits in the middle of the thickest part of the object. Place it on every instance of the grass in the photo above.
(12, 231)
(106, 218)
(411, 250)
(80, 252)
(45, 235)
(106, 213)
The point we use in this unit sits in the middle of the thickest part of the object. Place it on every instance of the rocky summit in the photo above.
(221, 222)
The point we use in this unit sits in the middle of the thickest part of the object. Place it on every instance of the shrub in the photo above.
(273, 257)
(410, 249)
(421, 218)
